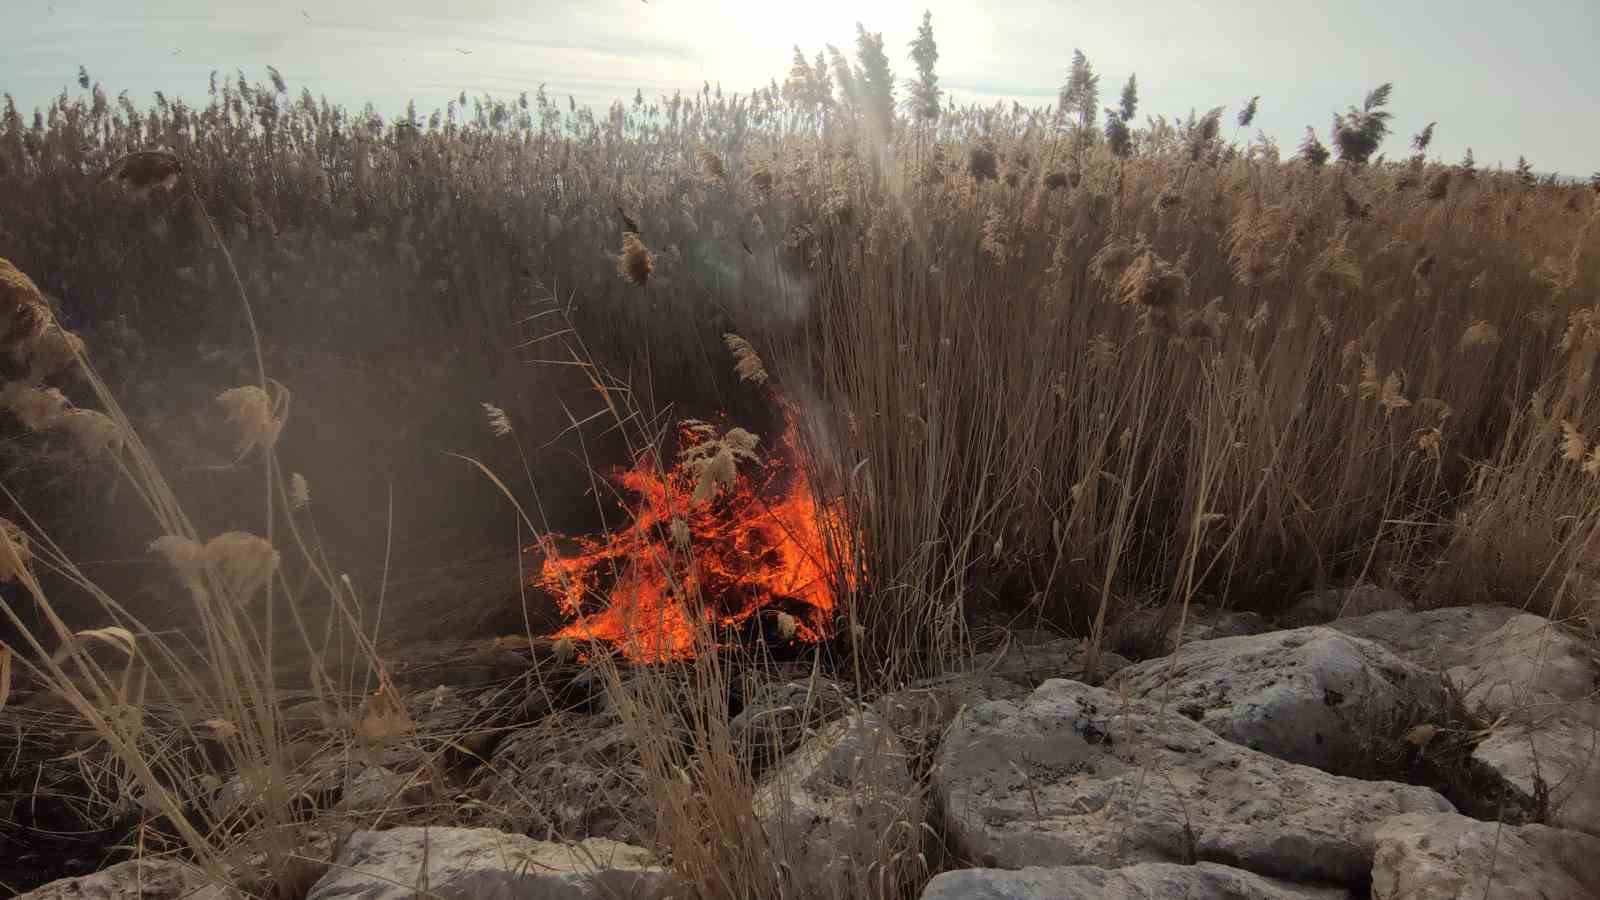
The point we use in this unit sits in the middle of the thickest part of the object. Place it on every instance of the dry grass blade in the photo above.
(112, 636)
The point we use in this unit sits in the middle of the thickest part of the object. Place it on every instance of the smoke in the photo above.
(763, 286)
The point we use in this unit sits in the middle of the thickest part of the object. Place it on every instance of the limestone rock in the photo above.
(147, 879)
(1312, 696)
(571, 775)
(484, 864)
(1030, 663)
(1443, 856)
(1319, 607)
(1146, 881)
(1073, 775)
(1436, 639)
(843, 807)
(375, 788)
(778, 716)
(1526, 669)
(920, 712)
(1548, 771)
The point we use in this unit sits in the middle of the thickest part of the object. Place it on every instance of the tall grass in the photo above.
(1182, 371)
(162, 709)
(1231, 380)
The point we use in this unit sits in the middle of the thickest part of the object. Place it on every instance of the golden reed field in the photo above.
(833, 375)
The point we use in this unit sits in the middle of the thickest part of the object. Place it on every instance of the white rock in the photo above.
(843, 812)
(373, 789)
(920, 712)
(1443, 856)
(1146, 881)
(1075, 775)
(1434, 638)
(1312, 696)
(778, 716)
(572, 775)
(1535, 681)
(1527, 669)
(147, 879)
(484, 864)
(1029, 663)
(1547, 771)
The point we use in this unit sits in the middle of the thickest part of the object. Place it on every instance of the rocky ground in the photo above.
(1355, 747)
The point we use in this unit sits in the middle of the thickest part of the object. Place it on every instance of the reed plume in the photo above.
(299, 492)
(51, 352)
(635, 263)
(1573, 443)
(747, 362)
(1151, 281)
(240, 562)
(94, 432)
(23, 312)
(255, 415)
(14, 551)
(499, 422)
(36, 408)
(713, 459)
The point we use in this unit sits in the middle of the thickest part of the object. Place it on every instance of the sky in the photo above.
(1504, 79)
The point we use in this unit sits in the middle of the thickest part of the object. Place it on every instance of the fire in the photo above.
(756, 545)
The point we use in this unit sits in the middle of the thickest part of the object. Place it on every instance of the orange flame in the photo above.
(757, 546)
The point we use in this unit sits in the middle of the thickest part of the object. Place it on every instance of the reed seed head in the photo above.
(94, 432)
(23, 312)
(240, 562)
(35, 407)
(53, 351)
(635, 263)
(14, 551)
(1573, 443)
(1152, 282)
(499, 422)
(243, 562)
(747, 362)
(299, 491)
(253, 413)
